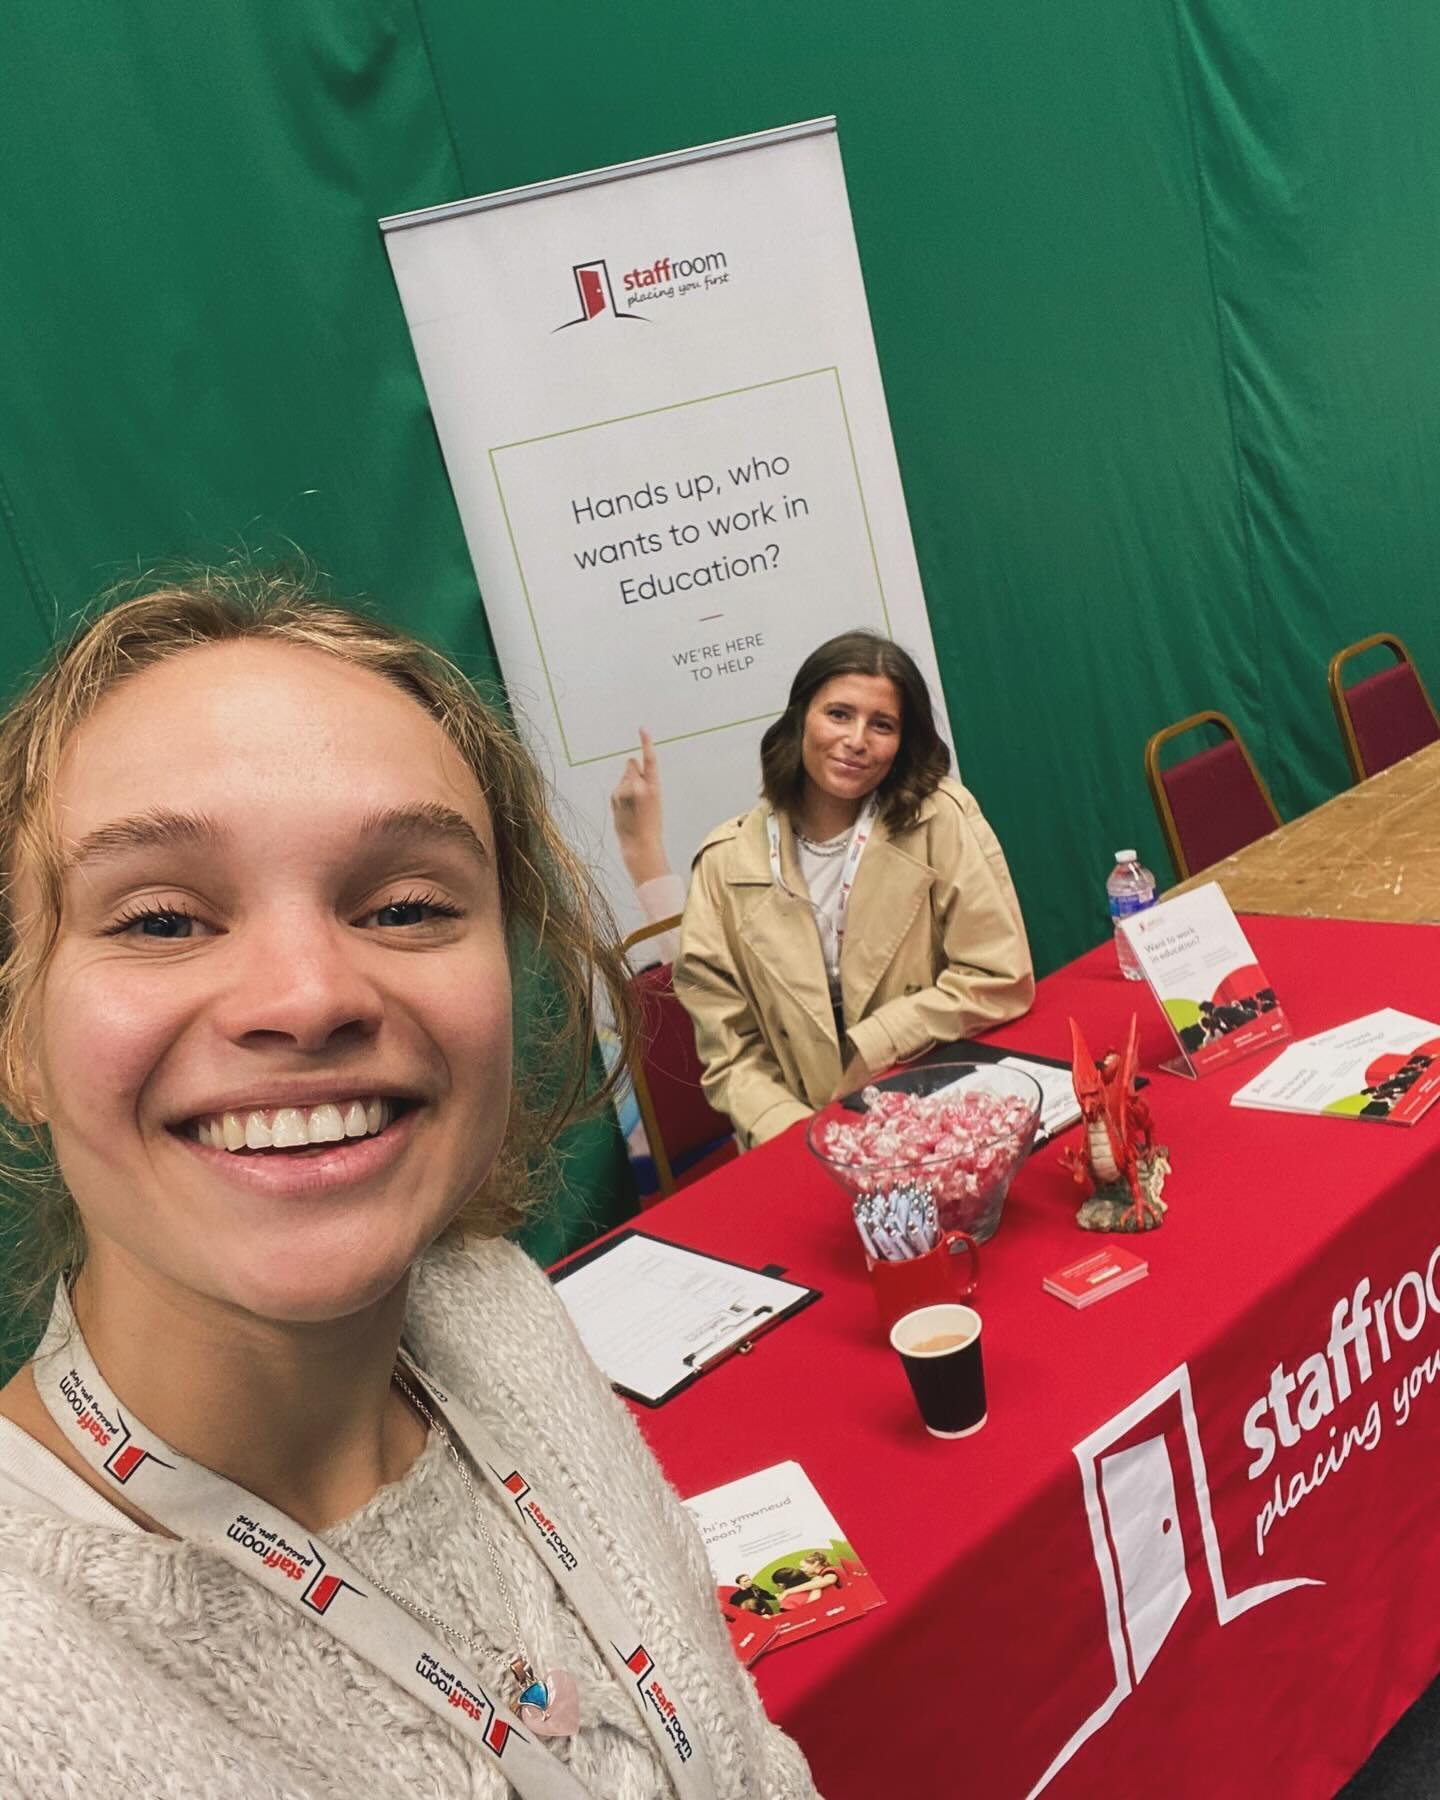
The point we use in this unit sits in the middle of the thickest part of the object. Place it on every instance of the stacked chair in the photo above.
(1214, 801)
(1382, 717)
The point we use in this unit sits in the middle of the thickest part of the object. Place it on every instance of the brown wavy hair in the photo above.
(559, 932)
(923, 759)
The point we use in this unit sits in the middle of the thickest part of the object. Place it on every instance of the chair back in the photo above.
(678, 1119)
(1212, 803)
(1385, 717)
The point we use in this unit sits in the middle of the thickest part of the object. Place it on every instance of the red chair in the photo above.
(679, 1121)
(1212, 803)
(1383, 717)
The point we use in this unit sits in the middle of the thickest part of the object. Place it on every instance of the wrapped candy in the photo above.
(960, 1144)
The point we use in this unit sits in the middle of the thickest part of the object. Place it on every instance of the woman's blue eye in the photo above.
(414, 912)
(403, 912)
(163, 924)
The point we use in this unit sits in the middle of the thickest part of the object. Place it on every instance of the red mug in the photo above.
(928, 1280)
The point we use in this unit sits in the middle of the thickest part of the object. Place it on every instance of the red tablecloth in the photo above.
(1080, 1598)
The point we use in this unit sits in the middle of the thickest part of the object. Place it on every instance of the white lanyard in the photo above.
(291, 1562)
(864, 825)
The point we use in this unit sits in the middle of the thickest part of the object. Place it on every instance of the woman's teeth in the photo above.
(294, 1127)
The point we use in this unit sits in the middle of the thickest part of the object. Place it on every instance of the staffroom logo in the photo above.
(128, 1456)
(667, 278)
(532, 1515)
(471, 1703)
(1131, 1468)
(123, 1463)
(641, 1665)
(592, 284)
(683, 273)
(91, 1418)
(323, 1588)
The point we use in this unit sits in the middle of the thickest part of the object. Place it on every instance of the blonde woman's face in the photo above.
(273, 1044)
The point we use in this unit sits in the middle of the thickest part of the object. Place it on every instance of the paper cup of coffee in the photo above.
(940, 1349)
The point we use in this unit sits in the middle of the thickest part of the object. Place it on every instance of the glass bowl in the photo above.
(958, 1129)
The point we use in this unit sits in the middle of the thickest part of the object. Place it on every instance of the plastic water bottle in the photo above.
(1131, 888)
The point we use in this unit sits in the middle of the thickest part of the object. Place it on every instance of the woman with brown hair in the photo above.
(860, 914)
(310, 1487)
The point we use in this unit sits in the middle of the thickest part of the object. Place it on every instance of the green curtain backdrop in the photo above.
(1154, 289)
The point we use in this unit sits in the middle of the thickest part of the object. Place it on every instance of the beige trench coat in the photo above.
(934, 950)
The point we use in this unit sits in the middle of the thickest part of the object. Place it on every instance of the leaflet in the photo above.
(1059, 1109)
(1384, 1066)
(782, 1568)
(1200, 967)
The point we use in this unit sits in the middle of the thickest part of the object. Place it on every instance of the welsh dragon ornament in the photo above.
(1119, 1160)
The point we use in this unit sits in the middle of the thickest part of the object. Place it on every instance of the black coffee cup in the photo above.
(940, 1349)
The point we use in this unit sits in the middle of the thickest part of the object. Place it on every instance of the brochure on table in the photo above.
(1200, 967)
(656, 1316)
(783, 1570)
(1385, 1066)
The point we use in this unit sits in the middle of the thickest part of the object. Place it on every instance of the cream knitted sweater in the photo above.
(133, 1665)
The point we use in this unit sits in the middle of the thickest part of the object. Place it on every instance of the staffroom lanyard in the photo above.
(864, 826)
(303, 1570)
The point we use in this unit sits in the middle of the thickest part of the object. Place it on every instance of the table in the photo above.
(1373, 852)
(1110, 1589)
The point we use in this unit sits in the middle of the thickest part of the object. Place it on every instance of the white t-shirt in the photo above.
(823, 867)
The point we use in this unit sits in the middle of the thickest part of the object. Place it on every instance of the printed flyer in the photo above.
(782, 1568)
(1385, 1066)
(1200, 967)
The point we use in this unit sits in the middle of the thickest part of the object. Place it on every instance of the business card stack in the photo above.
(1093, 1277)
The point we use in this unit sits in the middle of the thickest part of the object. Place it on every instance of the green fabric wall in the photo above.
(1154, 290)
(1155, 295)
(203, 353)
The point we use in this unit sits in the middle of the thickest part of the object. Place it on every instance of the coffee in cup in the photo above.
(939, 1347)
(947, 1340)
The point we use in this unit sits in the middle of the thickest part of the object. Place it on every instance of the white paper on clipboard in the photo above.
(654, 1314)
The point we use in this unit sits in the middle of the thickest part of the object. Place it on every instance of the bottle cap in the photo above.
(1126, 856)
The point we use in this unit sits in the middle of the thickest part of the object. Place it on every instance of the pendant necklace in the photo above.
(551, 1708)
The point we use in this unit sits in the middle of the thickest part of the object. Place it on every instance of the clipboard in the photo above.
(656, 1316)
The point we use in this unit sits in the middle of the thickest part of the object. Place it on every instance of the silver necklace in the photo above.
(551, 1708)
(831, 847)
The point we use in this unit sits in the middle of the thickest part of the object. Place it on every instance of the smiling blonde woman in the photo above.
(310, 1488)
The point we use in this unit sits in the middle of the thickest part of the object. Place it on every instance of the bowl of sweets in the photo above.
(956, 1130)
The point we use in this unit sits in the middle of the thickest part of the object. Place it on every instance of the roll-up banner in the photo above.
(658, 398)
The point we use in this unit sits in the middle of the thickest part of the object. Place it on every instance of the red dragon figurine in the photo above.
(1119, 1162)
